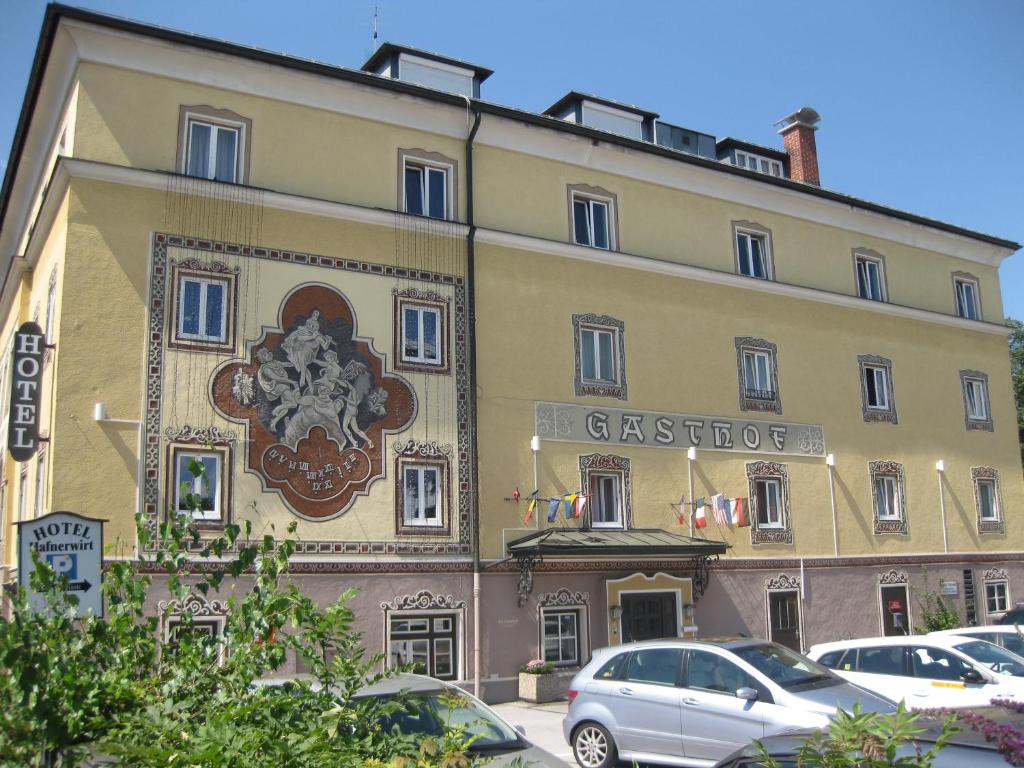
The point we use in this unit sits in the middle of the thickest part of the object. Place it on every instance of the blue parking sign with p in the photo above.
(65, 564)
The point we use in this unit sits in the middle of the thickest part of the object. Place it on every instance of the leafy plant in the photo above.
(866, 740)
(538, 667)
(936, 613)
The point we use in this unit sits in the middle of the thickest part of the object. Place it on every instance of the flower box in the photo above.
(550, 687)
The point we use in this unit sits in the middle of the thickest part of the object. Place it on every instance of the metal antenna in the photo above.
(376, 12)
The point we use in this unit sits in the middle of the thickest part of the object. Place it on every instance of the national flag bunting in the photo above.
(553, 510)
(529, 511)
(570, 505)
(682, 510)
(720, 509)
(581, 503)
(699, 516)
(739, 513)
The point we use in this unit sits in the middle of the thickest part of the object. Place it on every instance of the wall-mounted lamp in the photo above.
(940, 466)
(616, 612)
(691, 453)
(535, 444)
(99, 412)
(688, 609)
(830, 460)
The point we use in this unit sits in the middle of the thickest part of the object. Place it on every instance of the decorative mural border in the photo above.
(158, 311)
(609, 463)
(877, 469)
(888, 415)
(983, 425)
(988, 473)
(770, 470)
(752, 344)
(585, 388)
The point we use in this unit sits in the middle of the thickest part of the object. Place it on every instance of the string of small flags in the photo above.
(733, 512)
(573, 503)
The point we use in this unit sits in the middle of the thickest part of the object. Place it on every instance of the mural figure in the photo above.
(303, 344)
(242, 388)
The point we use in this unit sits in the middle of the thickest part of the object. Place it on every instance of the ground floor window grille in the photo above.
(427, 642)
(996, 600)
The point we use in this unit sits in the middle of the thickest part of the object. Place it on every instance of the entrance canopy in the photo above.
(564, 544)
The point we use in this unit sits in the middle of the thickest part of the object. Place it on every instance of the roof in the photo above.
(637, 542)
(749, 146)
(937, 641)
(387, 49)
(998, 629)
(56, 12)
(572, 96)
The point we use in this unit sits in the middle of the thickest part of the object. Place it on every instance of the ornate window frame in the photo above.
(748, 403)
(984, 425)
(422, 299)
(995, 577)
(769, 470)
(432, 454)
(872, 414)
(213, 271)
(422, 158)
(200, 441)
(607, 464)
(783, 582)
(754, 230)
(600, 194)
(990, 474)
(201, 113)
(894, 469)
(564, 600)
(585, 387)
(428, 604)
(205, 612)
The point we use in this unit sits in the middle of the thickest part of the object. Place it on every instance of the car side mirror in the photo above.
(520, 729)
(747, 694)
(972, 676)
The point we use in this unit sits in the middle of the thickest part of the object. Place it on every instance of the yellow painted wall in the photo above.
(680, 357)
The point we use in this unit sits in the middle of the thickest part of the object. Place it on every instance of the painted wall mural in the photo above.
(317, 401)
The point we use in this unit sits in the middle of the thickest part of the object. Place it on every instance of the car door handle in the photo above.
(690, 702)
(626, 691)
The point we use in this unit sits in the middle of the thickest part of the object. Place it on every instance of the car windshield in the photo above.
(430, 713)
(993, 657)
(785, 667)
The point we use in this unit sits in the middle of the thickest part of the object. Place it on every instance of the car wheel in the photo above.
(593, 747)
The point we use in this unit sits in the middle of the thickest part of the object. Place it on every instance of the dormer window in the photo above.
(758, 163)
(430, 70)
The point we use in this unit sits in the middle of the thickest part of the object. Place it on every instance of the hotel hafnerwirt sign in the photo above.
(655, 429)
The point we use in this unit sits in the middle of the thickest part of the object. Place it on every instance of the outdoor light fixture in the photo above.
(830, 460)
(940, 466)
(688, 614)
(535, 444)
(691, 453)
(616, 612)
(99, 412)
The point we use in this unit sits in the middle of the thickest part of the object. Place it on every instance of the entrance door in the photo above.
(648, 616)
(895, 610)
(784, 618)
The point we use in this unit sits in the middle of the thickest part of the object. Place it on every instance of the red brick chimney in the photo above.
(798, 136)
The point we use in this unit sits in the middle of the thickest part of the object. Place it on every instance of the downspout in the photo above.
(471, 328)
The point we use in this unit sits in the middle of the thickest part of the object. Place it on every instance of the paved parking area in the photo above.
(543, 724)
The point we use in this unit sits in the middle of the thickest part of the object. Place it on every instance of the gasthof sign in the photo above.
(26, 378)
(72, 546)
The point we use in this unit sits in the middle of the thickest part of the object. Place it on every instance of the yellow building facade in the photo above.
(448, 338)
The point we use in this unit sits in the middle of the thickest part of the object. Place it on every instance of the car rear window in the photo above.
(936, 664)
(885, 660)
(655, 665)
(611, 668)
(831, 659)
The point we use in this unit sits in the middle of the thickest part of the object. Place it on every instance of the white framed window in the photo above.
(753, 251)
(591, 219)
(988, 500)
(887, 497)
(426, 189)
(202, 308)
(768, 502)
(757, 374)
(204, 487)
(213, 150)
(997, 598)
(422, 495)
(428, 642)
(598, 352)
(758, 163)
(422, 336)
(561, 636)
(605, 500)
(600, 360)
(870, 272)
(977, 408)
(757, 370)
(968, 303)
(876, 389)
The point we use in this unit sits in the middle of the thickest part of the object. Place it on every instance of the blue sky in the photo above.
(922, 101)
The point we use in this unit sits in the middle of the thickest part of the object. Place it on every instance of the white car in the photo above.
(927, 670)
(1005, 636)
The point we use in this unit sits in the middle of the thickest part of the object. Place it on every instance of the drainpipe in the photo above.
(471, 329)
(830, 462)
(940, 468)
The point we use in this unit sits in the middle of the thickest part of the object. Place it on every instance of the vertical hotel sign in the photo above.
(26, 379)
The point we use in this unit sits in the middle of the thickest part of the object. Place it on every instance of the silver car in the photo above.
(435, 705)
(693, 702)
